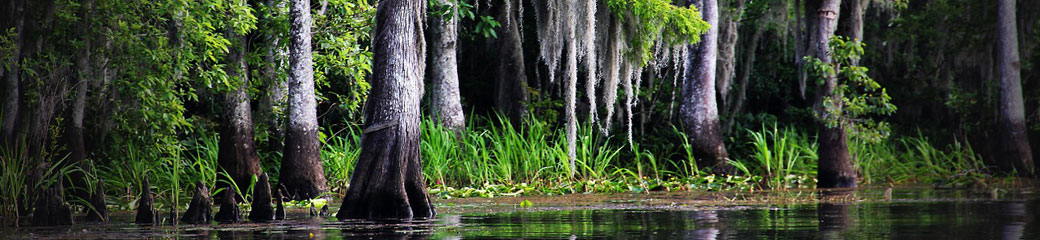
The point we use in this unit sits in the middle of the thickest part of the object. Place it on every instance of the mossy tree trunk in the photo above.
(699, 111)
(387, 182)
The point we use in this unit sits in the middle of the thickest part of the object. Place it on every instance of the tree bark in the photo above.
(1014, 149)
(445, 103)
(700, 115)
(835, 168)
(387, 182)
(851, 22)
(511, 77)
(12, 90)
(803, 35)
(79, 103)
(302, 173)
(237, 154)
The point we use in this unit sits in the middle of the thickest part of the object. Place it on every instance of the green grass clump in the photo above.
(915, 159)
(783, 157)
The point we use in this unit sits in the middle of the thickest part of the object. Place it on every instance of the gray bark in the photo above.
(698, 109)
(301, 171)
(79, 103)
(852, 24)
(511, 77)
(387, 182)
(445, 102)
(835, 165)
(1014, 140)
(802, 36)
(12, 90)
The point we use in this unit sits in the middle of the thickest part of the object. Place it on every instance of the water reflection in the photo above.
(1013, 214)
(899, 219)
(834, 217)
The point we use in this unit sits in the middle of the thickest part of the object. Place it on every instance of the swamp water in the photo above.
(903, 213)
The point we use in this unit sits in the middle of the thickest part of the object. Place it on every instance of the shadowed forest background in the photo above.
(103, 100)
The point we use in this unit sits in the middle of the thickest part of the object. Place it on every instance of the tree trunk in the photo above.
(237, 154)
(700, 115)
(510, 76)
(851, 22)
(1014, 149)
(12, 90)
(74, 136)
(835, 166)
(445, 103)
(387, 182)
(301, 172)
(803, 36)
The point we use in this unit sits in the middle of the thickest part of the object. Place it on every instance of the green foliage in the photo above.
(859, 96)
(914, 159)
(648, 21)
(485, 25)
(342, 55)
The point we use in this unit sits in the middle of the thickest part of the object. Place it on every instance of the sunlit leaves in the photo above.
(859, 100)
(647, 21)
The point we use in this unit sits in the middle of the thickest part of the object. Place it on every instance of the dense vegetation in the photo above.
(114, 92)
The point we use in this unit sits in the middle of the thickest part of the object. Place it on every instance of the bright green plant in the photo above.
(859, 96)
(783, 157)
(339, 153)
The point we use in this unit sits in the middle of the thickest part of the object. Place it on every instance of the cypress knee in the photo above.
(51, 209)
(228, 209)
(199, 210)
(146, 205)
(262, 210)
(97, 200)
(279, 212)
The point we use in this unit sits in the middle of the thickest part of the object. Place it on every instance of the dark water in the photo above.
(908, 215)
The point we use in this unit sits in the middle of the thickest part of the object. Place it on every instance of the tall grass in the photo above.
(339, 153)
(13, 179)
(781, 156)
(500, 153)
(916, 159)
